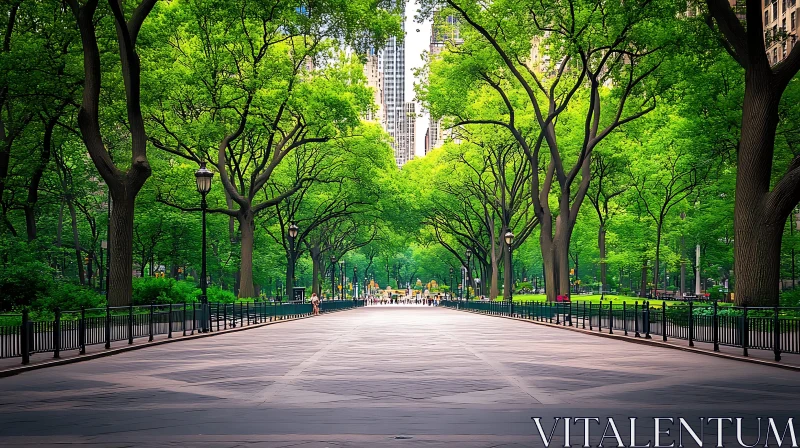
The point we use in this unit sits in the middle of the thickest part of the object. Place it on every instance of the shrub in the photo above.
(68, 297)
(216, 294)
(21, 284)
(790, 297)
(155, 290)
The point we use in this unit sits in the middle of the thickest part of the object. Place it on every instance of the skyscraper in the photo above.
(445, 29)
(392, 64)
(405, 134)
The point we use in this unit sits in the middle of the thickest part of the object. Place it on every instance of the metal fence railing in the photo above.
(765, 328)
(22, 336)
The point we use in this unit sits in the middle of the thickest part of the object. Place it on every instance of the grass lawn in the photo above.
(595, 298)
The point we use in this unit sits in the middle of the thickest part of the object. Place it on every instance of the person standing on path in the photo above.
(315, 304)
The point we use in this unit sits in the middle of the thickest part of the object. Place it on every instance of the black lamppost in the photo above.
(467, 280)
(450, 286)
(509, 237)
(341, 279)
(355, 281)
(333, 277)
(293, 229)
(203, 180)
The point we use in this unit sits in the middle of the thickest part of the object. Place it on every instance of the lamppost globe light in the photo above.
(202, 178)
(293, 230)
(509, 238)
(333, 259)
(469, 253)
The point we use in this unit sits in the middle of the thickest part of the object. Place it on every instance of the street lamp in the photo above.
(333, 277)
(203, 178)
(509, 237)
(355, 281)
(293, 229)
(341, 274)
(467, 281)
(450, 286)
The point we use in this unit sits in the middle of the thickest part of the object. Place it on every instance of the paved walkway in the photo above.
(375, 377)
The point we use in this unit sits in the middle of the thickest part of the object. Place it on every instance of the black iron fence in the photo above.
(22, 336)
(766, 328)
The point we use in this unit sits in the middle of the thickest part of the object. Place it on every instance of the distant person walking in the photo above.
(315, 304)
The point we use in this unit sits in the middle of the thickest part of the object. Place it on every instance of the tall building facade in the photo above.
(444, 30)
(385, 70)
(405, 134)
(780, 28)
(375, 81)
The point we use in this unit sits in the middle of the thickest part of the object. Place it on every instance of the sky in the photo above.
(418, 37)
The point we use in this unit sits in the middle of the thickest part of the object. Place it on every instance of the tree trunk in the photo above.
(76, 242)
(683, 266)
(655, 266)
(90, 268)
(120, 247)
(247, 228)
(555, 254)
(549, 267)
(36, 178)
(643, 285)
(757, 234)
(316, 262)
(494, 291)
(601, 244)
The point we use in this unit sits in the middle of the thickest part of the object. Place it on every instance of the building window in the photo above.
(766, 17)
(774, 11)
(775, 54)
(792, 21)
(783, 5)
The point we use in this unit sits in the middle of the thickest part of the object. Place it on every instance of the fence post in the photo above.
(558, 316)
(150, 324)
(183, 319)
(584, 316)
(24, 342)
(715, 327)
(625, 317)
(569, 313)
(745, 332)
(169, 315)
(57, 334)
(600, 316)
(664, 321)
(776, 344)
(691, 324)
(646, 320)
(194, 317)
(610, 317)
(224, 317)
(108, 326)
(636, 319)
(82, 332)
(130, 324)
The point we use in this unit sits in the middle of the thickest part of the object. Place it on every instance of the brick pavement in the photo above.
(375, 377)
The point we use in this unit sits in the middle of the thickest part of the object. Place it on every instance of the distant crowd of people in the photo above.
(407, 298)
